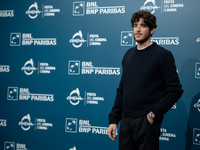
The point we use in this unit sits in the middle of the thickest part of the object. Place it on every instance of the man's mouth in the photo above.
(138, 34)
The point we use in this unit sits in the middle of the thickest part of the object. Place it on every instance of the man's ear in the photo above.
(152, 31)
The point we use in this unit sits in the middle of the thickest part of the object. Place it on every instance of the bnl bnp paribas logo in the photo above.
(80, 8)
(197, 70)
(4, 68)
(196, 136)
(76, 67)
(3, 123)
(14, 146)
(47, 10)
(127, 38)
(18, 39)
(74, 148)
(9, 145)
(12, 93)
(71, 126)
(26, 95)
(6, 13)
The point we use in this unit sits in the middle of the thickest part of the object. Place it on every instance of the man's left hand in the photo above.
(149, 119)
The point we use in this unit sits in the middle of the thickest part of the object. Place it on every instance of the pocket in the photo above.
(148, 121)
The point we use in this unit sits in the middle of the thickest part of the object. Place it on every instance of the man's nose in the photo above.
(137, 28)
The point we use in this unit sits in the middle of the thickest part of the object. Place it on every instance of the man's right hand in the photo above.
(112, 131)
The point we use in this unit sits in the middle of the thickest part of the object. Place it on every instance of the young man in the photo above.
(148, 88)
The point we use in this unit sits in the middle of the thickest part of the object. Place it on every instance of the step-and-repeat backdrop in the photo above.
(60, 65)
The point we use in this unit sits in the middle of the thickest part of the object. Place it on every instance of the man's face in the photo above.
(141, 31)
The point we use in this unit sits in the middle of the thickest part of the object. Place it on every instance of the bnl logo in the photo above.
(78, 8)
(15, 39)
(74, 67)
(127, 38)
(9, 146)
(197, 70)
(196, 136)
(71, 125)
(74, 148)
(12, 93)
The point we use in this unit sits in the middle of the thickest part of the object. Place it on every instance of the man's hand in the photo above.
(112, 131)
(149, 119)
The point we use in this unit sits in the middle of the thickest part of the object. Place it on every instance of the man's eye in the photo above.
(143, 25)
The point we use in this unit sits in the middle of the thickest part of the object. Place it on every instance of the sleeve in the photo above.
(115, 114)
(172, 86)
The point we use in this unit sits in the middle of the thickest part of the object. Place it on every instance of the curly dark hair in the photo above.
(149, 19)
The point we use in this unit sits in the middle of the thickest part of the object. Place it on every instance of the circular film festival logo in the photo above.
(74, 97)
(29, 67)
(77, 39)
(197, 105)
(147, 6)
(33, 11)
(198, 40)
(26, 123)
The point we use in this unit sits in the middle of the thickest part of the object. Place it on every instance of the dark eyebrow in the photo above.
(143, 24)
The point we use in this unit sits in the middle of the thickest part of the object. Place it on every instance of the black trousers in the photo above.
(139, 134)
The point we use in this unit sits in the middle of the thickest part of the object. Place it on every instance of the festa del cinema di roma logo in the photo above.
(90, 98)
(33, 11)
(47, 10)
(197, 105)
(29, 67)
(148, 7)
(43, 67)
(74, 97)
(26, 123)
(40, 123)
(77, 40)
(166, 6)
